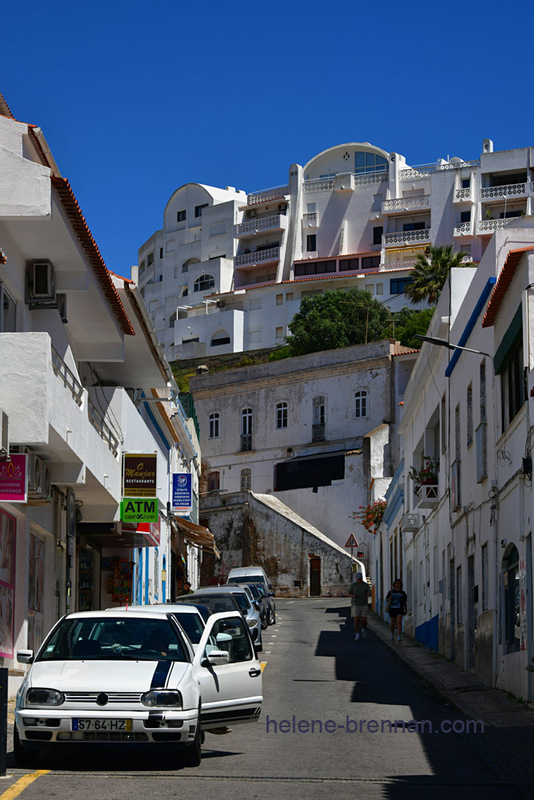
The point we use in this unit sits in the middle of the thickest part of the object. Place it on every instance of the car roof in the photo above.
(127, 613)
(224, 589)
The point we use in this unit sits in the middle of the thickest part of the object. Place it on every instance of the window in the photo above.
(485, 578)
(370, 287)
(311, 208)
(512, 608)
(161, 252)
(512, 385)
(214, 420)
(198, 209)
(469, 427)
(360, 404)
(289, 297)
(221, 337)
(315, 268)
(7, 311)
(280, 332)
(465, 183)
(318, 419)
(185, 267)
(281, 415)
(414, 226)
(214, 482)
(141, 268)
(349, 264)
(279, 299)
(150, 259)
(482, 378)
(180, 216)
(370, 262)
(246, 479)
(398, 285)
(465, 216)
(204, 282)
(378, 230)
(311, 242)
(369, 162)
(246, 430)
(459, 596)
(380, 288)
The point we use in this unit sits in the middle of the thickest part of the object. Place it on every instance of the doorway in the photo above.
(315, 576)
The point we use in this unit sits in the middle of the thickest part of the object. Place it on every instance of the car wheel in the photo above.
(23, 756)
(192, 753)
(264, 622)
(272, 617)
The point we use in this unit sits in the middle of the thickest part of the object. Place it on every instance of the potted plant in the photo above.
(427, 475)
(371, 516)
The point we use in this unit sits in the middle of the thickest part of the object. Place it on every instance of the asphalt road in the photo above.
(327, 730)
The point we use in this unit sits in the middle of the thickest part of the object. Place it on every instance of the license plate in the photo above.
(101, 724)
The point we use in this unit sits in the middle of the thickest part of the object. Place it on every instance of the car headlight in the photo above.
(44, 697)
(252, 623)
(162, 697)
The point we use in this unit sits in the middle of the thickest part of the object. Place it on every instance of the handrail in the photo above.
(67, 376)
(98, 422)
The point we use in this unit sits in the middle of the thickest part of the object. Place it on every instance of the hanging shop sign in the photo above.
(14, 479)
(140, 475)
(181, 491)
(139, 509)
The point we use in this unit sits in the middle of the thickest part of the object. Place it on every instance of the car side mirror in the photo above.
(25, 656)
(215, 657)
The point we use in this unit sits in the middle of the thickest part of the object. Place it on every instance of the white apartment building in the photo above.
(228, 272)
(83, 382)
(461, 536)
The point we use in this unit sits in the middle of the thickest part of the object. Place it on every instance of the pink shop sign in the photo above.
(14, 479)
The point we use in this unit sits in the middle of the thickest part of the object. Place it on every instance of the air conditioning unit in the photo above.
(4, 436)
(39, 479)
(40, 285)
(411, 521)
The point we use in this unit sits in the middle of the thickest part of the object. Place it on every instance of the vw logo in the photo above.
(102, 699)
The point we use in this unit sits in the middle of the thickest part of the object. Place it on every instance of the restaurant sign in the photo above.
(139, 478)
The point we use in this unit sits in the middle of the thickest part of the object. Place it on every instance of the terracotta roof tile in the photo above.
(503, 282)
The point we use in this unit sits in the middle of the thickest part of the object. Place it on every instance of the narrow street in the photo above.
(325, 730)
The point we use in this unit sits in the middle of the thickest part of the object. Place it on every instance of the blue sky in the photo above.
(136, 99)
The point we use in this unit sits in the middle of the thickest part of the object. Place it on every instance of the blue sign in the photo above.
(181, 491)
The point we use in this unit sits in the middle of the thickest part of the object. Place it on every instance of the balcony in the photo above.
(406, 237)
(275, 222)
(310, 219)
(463, 195)
(318, 432)
(402, 204)
(271, 255)
(427, 495)
(497, 193)
(246, 443)
(463, 229)
(489, 226)
(268, 196)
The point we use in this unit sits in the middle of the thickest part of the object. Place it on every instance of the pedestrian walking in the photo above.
(359, 593)
(396, 606)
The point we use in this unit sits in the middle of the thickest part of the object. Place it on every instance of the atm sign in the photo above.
(139, 509)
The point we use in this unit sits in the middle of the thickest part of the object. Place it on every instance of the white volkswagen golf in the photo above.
(131, 678)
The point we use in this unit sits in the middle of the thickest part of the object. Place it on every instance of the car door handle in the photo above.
(254, 673)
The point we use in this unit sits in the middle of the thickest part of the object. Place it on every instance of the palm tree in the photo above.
(430, 272)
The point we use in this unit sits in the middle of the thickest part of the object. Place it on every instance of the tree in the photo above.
(337, 319)
(409, 321)
(430, 272)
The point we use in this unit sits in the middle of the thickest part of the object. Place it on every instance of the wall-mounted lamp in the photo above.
(444, 343)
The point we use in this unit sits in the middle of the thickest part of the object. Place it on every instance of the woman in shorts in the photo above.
(396, 600)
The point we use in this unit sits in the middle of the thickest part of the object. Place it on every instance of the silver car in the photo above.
(246, 606)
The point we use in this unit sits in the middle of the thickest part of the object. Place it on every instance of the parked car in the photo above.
(261, 602)
(130, 678)
(203, 610)
(189, 617)
(241, 597)
(269, 599)
(255, 575)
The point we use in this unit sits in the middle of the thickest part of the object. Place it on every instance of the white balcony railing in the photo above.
(462, 195)
(490, 225)
(251, 226)
(423, 170)
(258, 257)
(427, 495)
(500, 192)
(463, 229)
(406, 237)
(67, 376)
(310, 219)
(406, 203)
(319, 185)
(268, 195)
(97, 420)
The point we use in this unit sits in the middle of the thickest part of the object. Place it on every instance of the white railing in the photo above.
(406, 237)
(258, 224)
(426, 169)
(492, 224)
(319, 185)
(258, 257)
(498, 192)
(67, 376)
(463, 194)
(266, 196)
(463, 229)
(406, 203)
(310, 219)
(371, 177)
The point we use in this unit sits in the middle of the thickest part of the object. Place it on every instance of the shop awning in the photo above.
(196, 535)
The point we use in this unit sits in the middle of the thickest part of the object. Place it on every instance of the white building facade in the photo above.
(228, 271)
(459, 533)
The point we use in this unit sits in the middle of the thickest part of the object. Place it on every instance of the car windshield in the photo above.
(191, 624)
(218, 602)
(110, 639)
(242, 600)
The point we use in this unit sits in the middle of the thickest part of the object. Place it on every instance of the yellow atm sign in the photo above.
(139, 509)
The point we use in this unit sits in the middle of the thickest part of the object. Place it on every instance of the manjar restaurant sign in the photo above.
(139, 479)
(13, 479)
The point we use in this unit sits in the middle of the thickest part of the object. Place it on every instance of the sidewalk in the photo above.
(507, 743)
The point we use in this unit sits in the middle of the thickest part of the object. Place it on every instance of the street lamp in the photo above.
(444, 343)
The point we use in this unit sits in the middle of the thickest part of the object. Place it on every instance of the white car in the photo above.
(188, 616)
(131, 678)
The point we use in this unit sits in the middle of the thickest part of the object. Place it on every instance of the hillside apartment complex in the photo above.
(228, 271)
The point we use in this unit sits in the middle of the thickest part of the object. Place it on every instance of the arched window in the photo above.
(512, 600)
(246, 429)
(246, 479)
(204, 282)
(214, 482)
(220, 337)
(214, 420)
(360, 404)
(281, 415)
